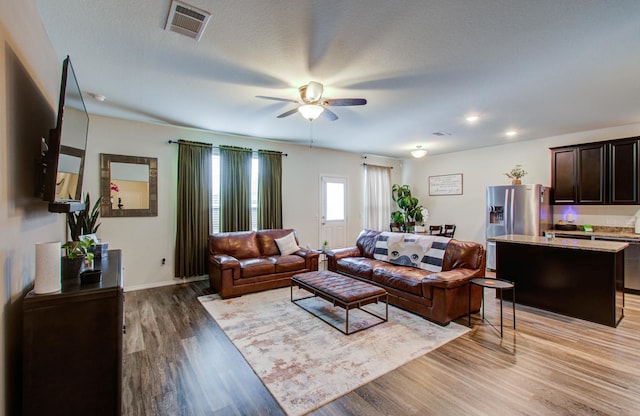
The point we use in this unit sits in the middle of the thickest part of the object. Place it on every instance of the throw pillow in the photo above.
(287, 244)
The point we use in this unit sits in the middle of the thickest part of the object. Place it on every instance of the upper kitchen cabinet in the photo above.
(564, 175)
(624, 171)
(578, 174)
(591, 173)
(596, 173)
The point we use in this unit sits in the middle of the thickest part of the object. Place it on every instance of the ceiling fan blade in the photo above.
(264, 97)
(330, 114)
(345, 101)
(288, 113)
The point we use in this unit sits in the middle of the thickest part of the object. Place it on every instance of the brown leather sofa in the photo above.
(250, 261)
(439, 297)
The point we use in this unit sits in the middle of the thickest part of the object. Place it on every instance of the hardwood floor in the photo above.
(177, 361)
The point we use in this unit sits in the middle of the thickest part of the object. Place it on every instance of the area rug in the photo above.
(304, 362)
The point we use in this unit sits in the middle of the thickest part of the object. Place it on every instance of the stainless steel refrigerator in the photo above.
(516, 209)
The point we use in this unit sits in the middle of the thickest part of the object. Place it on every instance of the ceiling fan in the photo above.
(312, 105)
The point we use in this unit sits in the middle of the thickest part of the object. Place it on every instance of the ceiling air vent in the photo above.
(187, 20)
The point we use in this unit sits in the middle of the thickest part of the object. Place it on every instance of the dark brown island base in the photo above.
(579, 278)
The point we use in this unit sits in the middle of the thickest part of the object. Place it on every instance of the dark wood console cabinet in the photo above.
(72, 346)
(596, 173)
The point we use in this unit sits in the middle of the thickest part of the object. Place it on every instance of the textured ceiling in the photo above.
(543, 67)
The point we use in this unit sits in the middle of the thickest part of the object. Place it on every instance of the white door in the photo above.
(333, 223)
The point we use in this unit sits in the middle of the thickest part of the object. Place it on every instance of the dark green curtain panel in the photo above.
(269, 189)
(194, 208)
(235, 188)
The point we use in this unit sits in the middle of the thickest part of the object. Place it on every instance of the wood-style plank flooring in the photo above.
(177, 361)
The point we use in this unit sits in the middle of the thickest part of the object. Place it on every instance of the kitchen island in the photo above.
(631, 253)
(578, 278)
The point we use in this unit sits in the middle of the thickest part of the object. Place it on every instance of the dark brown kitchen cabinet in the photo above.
(597, 173)
(564, 175)
(591, 173)
(578, 174)
(72, 346)
(624, 172)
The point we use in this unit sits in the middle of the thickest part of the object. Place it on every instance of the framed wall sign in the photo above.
(445, 184)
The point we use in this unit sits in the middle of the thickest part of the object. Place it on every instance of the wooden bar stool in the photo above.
(499, 285)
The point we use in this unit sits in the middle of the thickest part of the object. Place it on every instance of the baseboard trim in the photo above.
(175, 281)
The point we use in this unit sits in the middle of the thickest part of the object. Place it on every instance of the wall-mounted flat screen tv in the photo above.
(64, 160)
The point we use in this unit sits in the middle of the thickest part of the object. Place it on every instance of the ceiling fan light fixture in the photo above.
(310, 111)
(418, 152)
(311, 92)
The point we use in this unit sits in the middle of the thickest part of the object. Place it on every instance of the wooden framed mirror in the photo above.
(128, 185)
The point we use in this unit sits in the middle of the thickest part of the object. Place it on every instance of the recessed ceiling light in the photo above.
(472, 118)
(511, 133)
(97, 96)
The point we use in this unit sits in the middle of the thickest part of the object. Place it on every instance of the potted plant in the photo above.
(409, 211)
(84, 222)
(397, 220)
(516, 174)
(76, 255)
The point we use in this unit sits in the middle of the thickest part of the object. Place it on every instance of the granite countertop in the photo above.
(559, 242)
(602, 231)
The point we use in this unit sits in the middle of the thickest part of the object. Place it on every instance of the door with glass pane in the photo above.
(333, 223)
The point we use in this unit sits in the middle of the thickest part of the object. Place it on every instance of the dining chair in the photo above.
(449, 230)
(435, 229)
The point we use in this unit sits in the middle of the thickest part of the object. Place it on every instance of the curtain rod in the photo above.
(380, 166)
(218, 147)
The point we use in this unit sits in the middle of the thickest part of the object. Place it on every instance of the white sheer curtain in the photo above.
(377, 197)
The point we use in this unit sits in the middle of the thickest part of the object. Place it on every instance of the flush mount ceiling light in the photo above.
(310, 111)
(472, 118)
(511, 133)
(418, 152)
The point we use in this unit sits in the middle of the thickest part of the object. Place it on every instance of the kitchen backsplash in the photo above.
(602, 215)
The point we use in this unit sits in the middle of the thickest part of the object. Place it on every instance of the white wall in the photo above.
(486, 166)
(146, 240)
(29, 84)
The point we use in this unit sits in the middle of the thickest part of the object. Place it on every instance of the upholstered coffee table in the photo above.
(343, 291)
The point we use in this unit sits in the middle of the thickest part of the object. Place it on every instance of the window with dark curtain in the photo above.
(194, 208)
(235, 188)
(269, 189)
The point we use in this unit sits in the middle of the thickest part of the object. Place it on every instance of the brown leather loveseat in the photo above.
(439, 297)
(250, 261)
